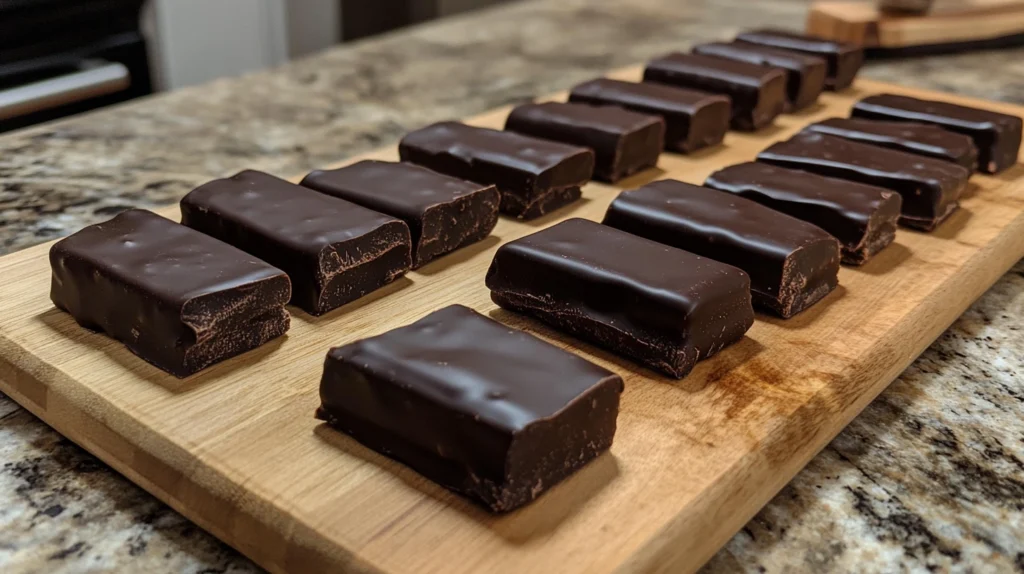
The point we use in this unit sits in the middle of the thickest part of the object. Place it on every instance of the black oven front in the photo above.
(61, 57)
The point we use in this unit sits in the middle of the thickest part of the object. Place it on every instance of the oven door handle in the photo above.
(105, 78)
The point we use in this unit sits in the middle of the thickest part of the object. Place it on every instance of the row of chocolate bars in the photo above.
(668, 279)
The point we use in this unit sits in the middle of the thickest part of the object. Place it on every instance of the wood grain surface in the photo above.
(950, 22)
(236, 448)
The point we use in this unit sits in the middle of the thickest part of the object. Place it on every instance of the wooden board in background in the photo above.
(236, 448)
(949, 22)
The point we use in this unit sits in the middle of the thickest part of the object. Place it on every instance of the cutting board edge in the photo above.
(692, 555)
(58, 409)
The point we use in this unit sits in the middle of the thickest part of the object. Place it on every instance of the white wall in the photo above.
(195, 41)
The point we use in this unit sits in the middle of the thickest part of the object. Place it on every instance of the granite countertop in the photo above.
(930, 476)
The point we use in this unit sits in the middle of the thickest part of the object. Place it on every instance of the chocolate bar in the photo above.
(911, 137)
(792, 264)
(660, 306)
(177, 298)
(805, 75)
(997, 136)
(624, 142)
(490, 412)
(862, 217)
(930, 187)
(443, 213)
(844, 60)
(693, 120)
(534, 176)
(333, 250)
(758, 93)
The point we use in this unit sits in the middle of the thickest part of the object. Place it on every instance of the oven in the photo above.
(62, 57)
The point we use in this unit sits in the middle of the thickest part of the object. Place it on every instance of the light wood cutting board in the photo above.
(948, 22)
(236, 448)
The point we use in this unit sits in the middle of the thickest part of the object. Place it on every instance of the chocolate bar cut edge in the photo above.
(443, 213)
(756, 102)
(805, 74)
(173, 296)
(694, 120)
(334, 251)
(624, 142)
(844, 60)
(528, 189)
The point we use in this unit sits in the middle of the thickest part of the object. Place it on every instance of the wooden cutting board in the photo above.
(949, 23)
(236, 448)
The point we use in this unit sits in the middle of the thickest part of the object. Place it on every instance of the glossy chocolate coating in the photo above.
(658, 305)
(534, 176)
(792, 264)
(624, 142)
(334, 251)
(912, 137)
(175, 297)
(805, 75)
(485, 410)
(862, 217)
(930, 187)
(997, 136)
(693, 119)
(844, 60)
(758, 93)
(443, 212)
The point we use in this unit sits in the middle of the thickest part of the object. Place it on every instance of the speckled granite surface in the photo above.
(929, 477)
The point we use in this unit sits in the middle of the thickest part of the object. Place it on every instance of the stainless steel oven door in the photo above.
(94, 78)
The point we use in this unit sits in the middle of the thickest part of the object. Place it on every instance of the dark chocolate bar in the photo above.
(333, 250)
(758, 93)
(490, 412)
(624, 142)
(930, 187)
(792, 264)
(660, 306)
(175, 297)
(443, 213)
(862, 217)
(693, 120)
(534, 176)
(805, 75)
(997, 136)
(911, 137)
(844, 60)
